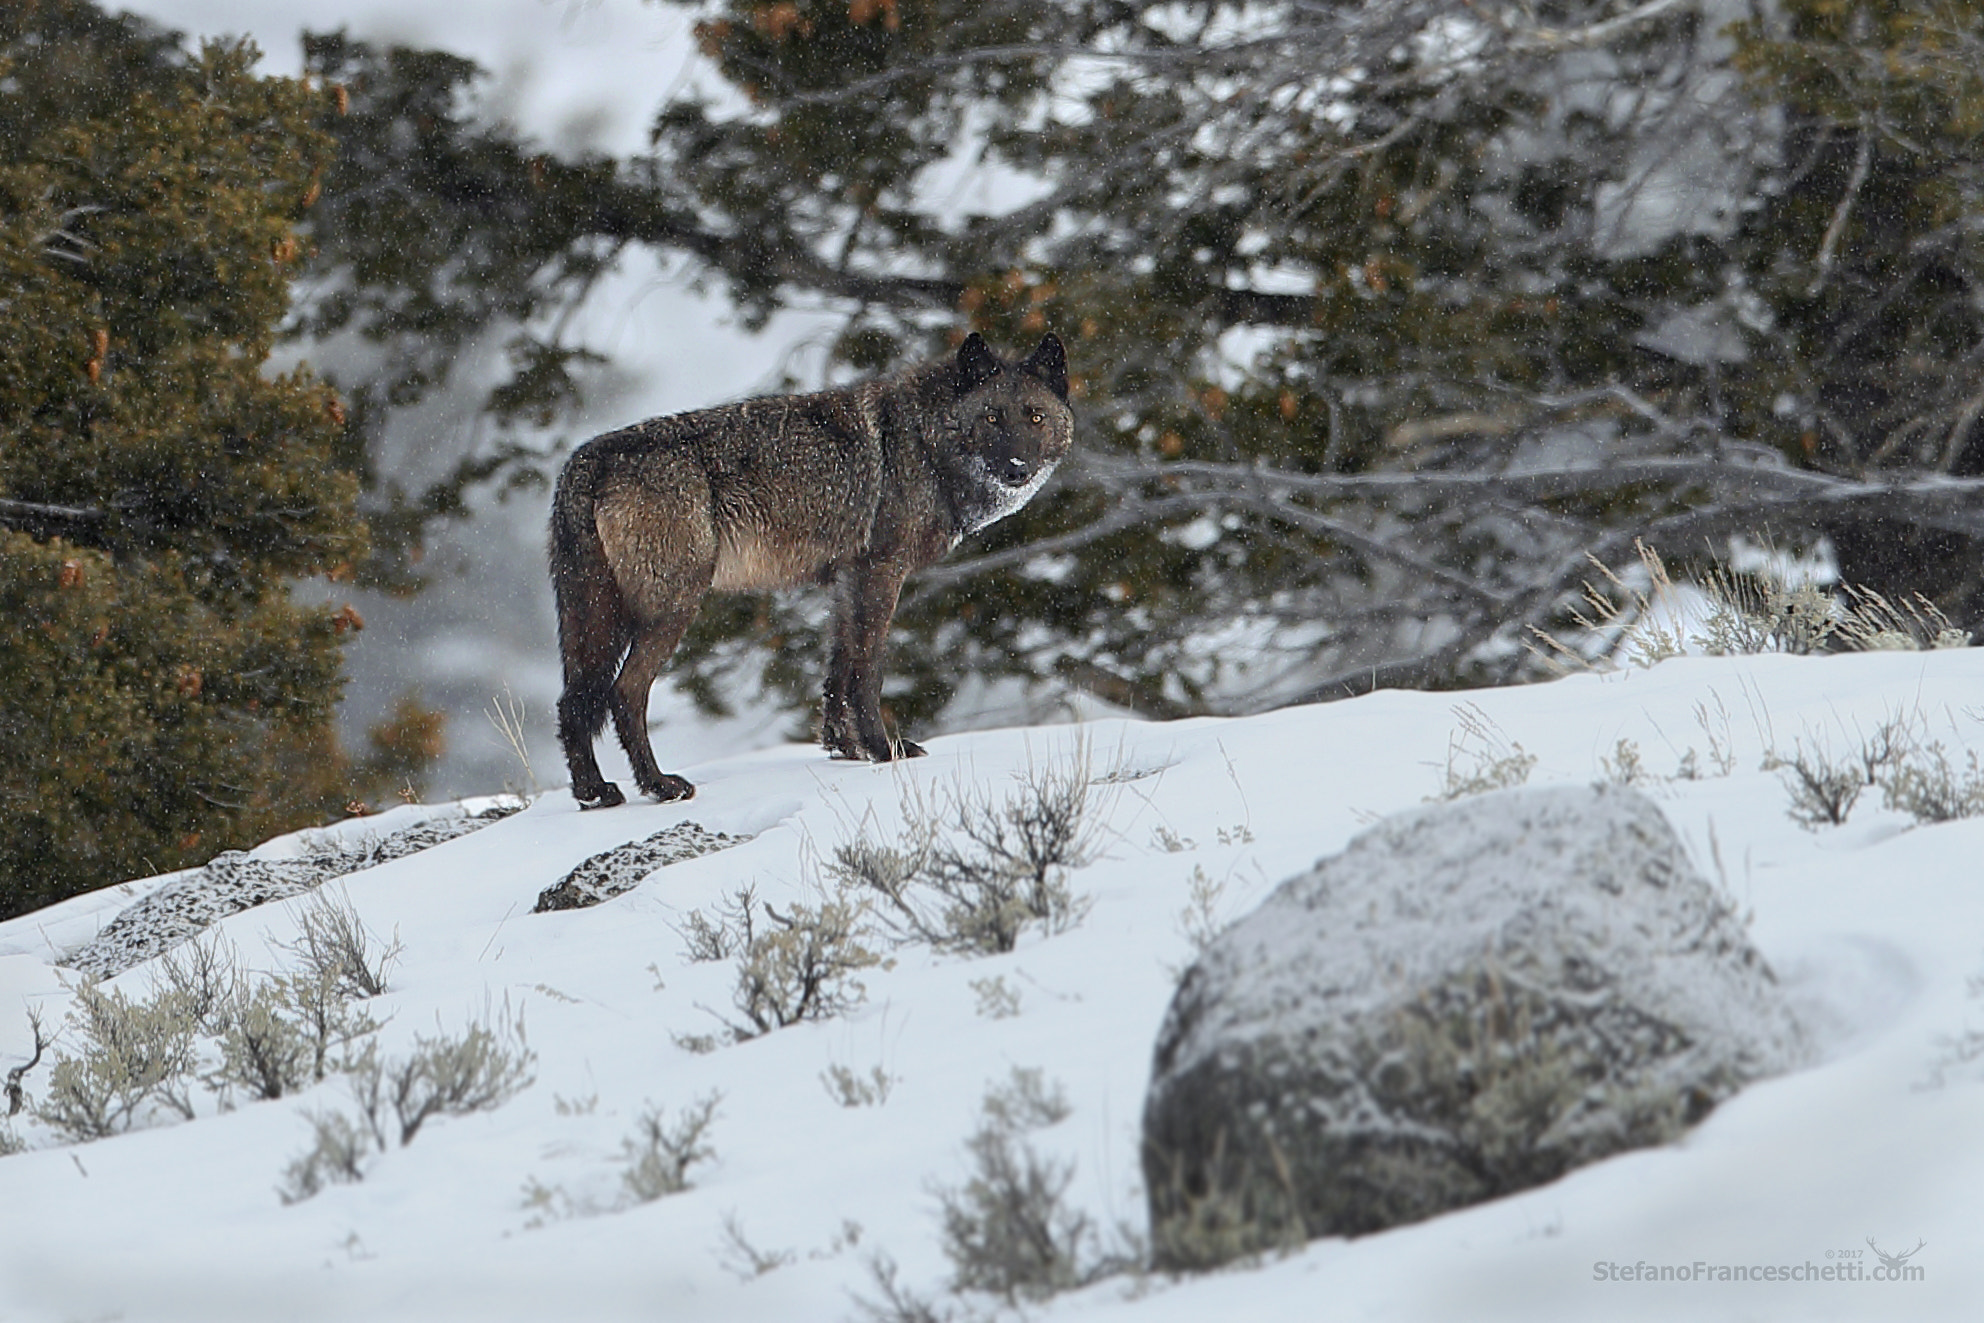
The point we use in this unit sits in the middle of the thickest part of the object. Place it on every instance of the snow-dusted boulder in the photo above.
(234, 880)
(613, 872)
(1471, 999)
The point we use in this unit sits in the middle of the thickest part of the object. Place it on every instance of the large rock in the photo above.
(1471, 999)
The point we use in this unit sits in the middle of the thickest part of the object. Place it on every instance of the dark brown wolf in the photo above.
(851, 488)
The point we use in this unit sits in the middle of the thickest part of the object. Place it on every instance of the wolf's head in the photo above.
(1012, 425)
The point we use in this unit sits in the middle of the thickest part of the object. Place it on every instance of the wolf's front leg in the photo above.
(851, 718)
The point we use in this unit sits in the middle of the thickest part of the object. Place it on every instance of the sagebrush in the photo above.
(442, 1075)
(134, 1059)
(793, 965)
(1746, 612)
(659, 1153)
(1481, 757)
(1009, 1230)
(973, 870)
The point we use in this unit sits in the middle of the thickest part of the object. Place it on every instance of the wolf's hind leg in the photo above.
(661, 541)
(590, 644)
(651, 651)
(581, 713)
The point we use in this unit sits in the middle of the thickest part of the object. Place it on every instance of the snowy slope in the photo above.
(1875, 926)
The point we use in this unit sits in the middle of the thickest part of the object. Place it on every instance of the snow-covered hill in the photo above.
(520, 1211)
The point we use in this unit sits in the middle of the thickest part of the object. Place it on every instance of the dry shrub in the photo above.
(972, 871)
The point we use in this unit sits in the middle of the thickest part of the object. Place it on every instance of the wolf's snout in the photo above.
(1017, 472)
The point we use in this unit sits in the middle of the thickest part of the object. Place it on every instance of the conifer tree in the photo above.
(164, 691)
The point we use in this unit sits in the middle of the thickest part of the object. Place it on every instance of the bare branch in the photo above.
(1128, 513)
(1593, 34)
(1863, 159)
(1934, 500)
(40, 520)
(16, 1094)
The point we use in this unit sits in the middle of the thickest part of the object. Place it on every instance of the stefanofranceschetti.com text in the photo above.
(1841, 1270)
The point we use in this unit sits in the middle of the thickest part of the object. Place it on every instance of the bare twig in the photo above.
(16, 1094)
(1863, 159)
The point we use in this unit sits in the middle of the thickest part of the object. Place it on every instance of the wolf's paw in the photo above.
(843, 738)
(669, 789)
(888, 750)
(842, 744)
(603, 795)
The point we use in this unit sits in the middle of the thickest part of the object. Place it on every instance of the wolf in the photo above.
(854, 489)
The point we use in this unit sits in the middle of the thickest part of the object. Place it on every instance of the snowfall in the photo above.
(1874, 927)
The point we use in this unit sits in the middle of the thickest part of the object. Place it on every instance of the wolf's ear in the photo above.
(977, 363)
(1049, 362)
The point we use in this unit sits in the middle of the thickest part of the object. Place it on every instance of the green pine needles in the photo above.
(163, 693)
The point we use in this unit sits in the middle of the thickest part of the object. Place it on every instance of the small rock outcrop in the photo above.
(611, 872)
(234, 880)
(1471, 999)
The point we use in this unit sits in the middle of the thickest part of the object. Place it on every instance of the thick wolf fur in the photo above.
(851, 488)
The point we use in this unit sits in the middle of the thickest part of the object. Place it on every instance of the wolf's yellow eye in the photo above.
(1035, 418)
(992, 416)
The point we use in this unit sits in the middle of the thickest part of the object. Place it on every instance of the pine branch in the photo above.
(75, 522)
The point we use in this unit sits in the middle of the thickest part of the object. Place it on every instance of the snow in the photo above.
(1875, 928)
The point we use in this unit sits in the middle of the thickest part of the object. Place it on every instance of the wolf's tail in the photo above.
(594, 625)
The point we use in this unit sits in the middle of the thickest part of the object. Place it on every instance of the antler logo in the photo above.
(1895, 1262)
